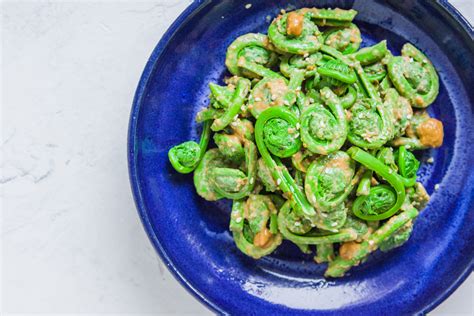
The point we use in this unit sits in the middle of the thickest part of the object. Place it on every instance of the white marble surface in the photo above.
(71, 241)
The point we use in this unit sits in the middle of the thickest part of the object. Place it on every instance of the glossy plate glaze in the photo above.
(191, 235)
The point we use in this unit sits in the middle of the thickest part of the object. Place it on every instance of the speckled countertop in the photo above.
(71, 240)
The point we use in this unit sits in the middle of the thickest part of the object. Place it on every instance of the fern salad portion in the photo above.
(313, 139)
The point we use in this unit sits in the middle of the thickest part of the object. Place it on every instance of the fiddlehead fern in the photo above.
(352, 231)
(423, 132)
(397, 238)
(370, 55)
(337, 76)
(331, 220)
(402, 161)
(407, 165)
(284, 180)
(418, 197)
(324, 253)
(232, 183)
(211, 159)
(265, 176)
(301, 160)
(330, 17)
(401, 110)
(360, 204)
(295, 33)
(387, 157)
(380, 199)
(324, 131)
(363, 188)
(349, 97)
(230, 147)
(308, 64)
(414, 76)
(370, 124)
(365, 86)
(185, 157)
(254, 226)
(251, 47)
(329, 180)
(221, 97)
(375, 72)
(219, 175)
(337, 73)
(341, 265)
(274, 91)
(244, 129)
(346, 40)
(208, 114)
(281, 134)
(238, 98)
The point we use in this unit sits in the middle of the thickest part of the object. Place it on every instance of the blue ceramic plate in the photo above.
(191, 235)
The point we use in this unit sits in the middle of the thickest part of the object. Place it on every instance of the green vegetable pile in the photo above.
(314, 138)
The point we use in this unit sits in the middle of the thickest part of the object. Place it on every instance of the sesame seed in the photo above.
(258, 99)
(248, 6)
(238, 220)
(371, 242)
(278, 181)
(430, 160)
(436, 187)
(298, 125)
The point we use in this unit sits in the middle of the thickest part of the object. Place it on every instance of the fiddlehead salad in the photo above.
(313, 138)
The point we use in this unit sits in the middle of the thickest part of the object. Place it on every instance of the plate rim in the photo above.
(143, 82)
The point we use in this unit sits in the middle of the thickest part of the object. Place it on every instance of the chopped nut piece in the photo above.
(348, 250)
(431, 133)
(262, 238)
(294, 24)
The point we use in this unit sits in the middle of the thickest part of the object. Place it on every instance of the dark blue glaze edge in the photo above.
(131, 146)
